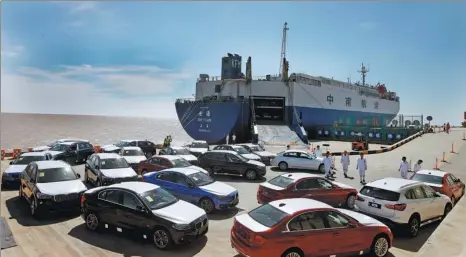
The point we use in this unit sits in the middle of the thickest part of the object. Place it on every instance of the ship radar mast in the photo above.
(363, 72)
(283, 54)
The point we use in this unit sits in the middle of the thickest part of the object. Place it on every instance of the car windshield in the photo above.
(53, 143)
(256, 148)
(158, 198)
(56, 175)
(133, 152)
(122, 143)
(240, 150)
(379, 193)
(25, 160)
(428, 178)
(268, 215)
(199, 145)
(201, 179)
(180, 163)
(116, 163)
(243, 159)
(181, 151)
(60, 147)
(281, 181)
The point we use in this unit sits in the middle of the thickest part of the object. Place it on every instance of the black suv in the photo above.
(230, 162)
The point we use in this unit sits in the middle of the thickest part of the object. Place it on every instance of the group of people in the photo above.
(405, 167)
(447, 127)
(167, 141)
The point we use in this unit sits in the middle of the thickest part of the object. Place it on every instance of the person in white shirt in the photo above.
(327, 165)
(228, 138)
(404, 167)
(345, 162)
(361, 166)
(417, 166)
(233, 139)
(318, 152)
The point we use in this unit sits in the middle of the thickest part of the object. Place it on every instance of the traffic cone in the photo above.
(452, 148)
(443, 157)
(436, 164)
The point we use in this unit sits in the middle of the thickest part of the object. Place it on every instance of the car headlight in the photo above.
(181, 227)
(222, 197)
(43, 196)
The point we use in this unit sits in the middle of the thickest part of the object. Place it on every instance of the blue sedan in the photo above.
(195, 187)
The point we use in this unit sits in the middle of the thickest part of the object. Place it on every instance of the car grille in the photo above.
(15, 175)
(68, 197)
(200, 222)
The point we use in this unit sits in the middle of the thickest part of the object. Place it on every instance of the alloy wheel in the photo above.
(161, 239)
(283, 166)
(381, 247)
(207, 205)
(293, 254)
(350, 201)
(414, 227)
(92, 222)
(251, 174)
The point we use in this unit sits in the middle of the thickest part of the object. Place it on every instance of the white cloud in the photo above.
(91, 90)
(12, 50)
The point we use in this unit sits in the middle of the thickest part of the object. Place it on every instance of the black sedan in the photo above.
(71, 152)
(146, 209)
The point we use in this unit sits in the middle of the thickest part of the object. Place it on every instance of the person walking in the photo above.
(417, 166)
(404, 167)
(318, 152)
(328, 165)
(227, 138)
(233, 139)
(345, 162)
(361, 166)
(448, 127)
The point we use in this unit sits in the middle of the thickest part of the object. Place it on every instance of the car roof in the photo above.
(72, 140)
(34, 154)
(185, 171)
(293, 205)
(104, 156)
(295, 151)
(437, 173)
(138, 187)
(67, 143)
(42, 165)
(169, 157)
(248, 144)
(393, 184)
(131, 148)
(222, 151)
(299, 175)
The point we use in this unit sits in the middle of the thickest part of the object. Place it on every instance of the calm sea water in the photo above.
(29, 130)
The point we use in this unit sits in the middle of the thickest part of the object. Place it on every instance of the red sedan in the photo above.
(305, 185)
(442, 182)
(300, 227)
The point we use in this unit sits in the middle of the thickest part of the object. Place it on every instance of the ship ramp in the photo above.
(277, 134)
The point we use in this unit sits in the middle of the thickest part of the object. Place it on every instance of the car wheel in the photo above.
(413, 226)
(143, 172)
(207, 204)
(294, 252)
(321, 168)
(380, 246)
(92, 221)
(250, 174)
(350, 201)
(283, 166)
(447, 210)
(162, 238)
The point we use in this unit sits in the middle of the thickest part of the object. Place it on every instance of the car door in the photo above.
(307, 162)
(165, 164)
(233, 164)
(132, 214)
(305, 230)
(178, 186)
(31, 182)
(332, 195)
(292, 159)
(26, 176)
(422, 203)
(85, 150)
(436, 205)
(109, 203)
(153, 164)
(91, 168)
(310, 188)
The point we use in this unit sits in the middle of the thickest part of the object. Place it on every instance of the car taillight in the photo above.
(396, 207)
(83, 199)
(360, 198)
(255, 239)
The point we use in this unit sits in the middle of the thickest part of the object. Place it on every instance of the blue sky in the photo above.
(135, 58)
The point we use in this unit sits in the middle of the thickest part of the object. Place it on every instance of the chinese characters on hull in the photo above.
(363, 103)
(204, 119)
(376, 105)
(330, 99)
(348, 101)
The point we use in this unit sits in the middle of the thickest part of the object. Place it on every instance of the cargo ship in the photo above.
(277, 107)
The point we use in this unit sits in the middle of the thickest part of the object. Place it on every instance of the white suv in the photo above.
(397, 201)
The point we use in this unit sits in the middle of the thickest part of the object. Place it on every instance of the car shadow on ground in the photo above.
(131, 245)
(224, 214)
(10, 187)
(19, 210)
(402, 241)
(276, 169)
(237, 178)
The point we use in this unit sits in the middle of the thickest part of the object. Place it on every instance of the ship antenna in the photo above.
(363, 72)
(283, 55)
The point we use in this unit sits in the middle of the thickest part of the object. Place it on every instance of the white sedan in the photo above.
(133, 155)
(63, 140)
(298, 159)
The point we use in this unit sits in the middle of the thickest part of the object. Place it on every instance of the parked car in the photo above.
(230, 162)
(133, 156)
(300, 227)
(239, 149)
(180, 151)
(298, 159)
(108, 168)
(442, 182)
(144, 208)
(402, 202)
(198, 147)
(64, 140)
(265, 156)
(11, 175)
(161, 162)
(305, 185)
(147, 147)
(71, 152)
(50, 186)
(195, 187)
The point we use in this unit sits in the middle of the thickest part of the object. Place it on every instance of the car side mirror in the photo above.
(351, 225)
(11, 162)
(190, 185)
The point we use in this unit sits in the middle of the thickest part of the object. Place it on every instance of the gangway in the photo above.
(277, 134)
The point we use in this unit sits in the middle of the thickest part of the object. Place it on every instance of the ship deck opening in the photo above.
(269, 108)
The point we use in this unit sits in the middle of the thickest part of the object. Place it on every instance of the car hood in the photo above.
(198, 150)
(110, 147)
(219, 188)
(194, 167)
(62, 187)
(363, 219)
(40, 148)
(251, 156)
(343, 185)
(260, 164)
(265, 154)
(188, 157)
(321, 159)
(118, 173)
(250, 223)
(135, 159)
(180, 212)
(433, 185)
(15, 169)
(54, 153)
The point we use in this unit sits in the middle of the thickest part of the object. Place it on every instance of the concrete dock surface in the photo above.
(67, 236)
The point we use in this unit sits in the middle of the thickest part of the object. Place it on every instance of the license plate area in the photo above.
(375, 205)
